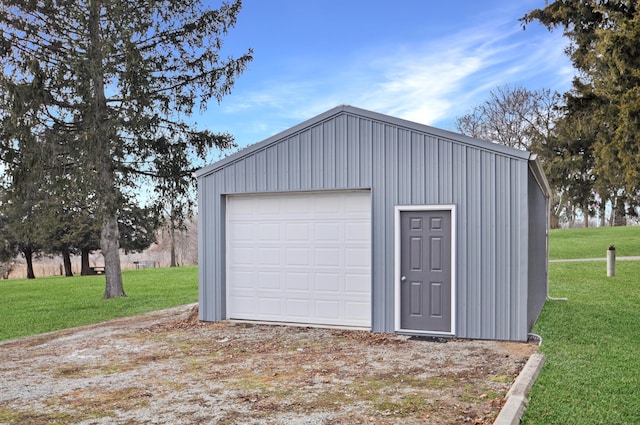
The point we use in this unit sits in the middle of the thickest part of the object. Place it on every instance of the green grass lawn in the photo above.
(30, 307)
(591, 341)
(593, 242)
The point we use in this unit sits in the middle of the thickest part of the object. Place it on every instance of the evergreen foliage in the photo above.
(603, 108)
(106, 88)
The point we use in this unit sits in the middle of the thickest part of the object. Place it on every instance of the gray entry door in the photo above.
(425, 267)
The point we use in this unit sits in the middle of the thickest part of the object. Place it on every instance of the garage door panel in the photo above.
(322, 208)
(297, 257)
(357, 283)
(242, 279)
(298, 308)
(266, 207)
(268, 256)
(300, 258)
(357, 257)
(297, 281)
(243, 256)
(242, 305)
(270, 306)
(327, 257)
(269, 232)
(327, 232)
(294, 207)
(355, 311)
(270, 280)
(328, 310)
(327, 282)
(357, 231)
(243, 231)
(297, 231)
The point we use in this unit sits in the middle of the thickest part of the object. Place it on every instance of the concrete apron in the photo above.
(513, 409)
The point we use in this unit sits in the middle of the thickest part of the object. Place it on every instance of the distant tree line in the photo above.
(587, 139)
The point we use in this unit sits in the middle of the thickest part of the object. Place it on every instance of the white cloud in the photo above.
(428, 82)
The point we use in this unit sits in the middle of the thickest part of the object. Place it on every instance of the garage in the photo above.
(301, 258)
(355, 218)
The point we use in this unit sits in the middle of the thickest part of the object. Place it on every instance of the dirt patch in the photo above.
(168, 368)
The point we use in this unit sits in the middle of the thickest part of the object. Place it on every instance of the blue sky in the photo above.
(423, 60)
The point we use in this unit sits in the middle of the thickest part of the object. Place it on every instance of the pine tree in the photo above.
(110, 78)
(605, 96)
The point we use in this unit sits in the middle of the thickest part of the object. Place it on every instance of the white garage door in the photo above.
(302, 258)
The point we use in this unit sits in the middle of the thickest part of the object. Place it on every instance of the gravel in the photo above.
(166, 367)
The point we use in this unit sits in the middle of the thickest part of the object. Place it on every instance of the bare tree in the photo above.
(511, 116)
(525, 119)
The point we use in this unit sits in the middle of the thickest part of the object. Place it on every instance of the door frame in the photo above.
(397, 272)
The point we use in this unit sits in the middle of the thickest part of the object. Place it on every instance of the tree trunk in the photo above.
(84, 262)
(602, 214)
(110, 243)
(28, 256)
(172, 234)
(619, 214)
(66, 259)
(104, 137)
(586, 217)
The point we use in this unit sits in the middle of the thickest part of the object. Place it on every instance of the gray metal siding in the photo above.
(538, 272)
(401, 166)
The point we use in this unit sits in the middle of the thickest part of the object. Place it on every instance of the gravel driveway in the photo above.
(166, 367)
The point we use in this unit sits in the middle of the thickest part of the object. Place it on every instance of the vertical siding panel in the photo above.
(282, 160)
(205, 210)
(460, 200)
(341, 152)
(391, 199)
(329, 138)
(513, 241)
(229, 177)
(472, 244)
(294, 162)
(250, 173)
(404, 167)
(317, 160)
(353, 151)
(261, 171)
(380, 220)
(305, 160)
(488, 205)
(272, 168)
(217, 297)
(366, 160)
(329, 142)
(418, 178)
(503, 251)
(391, 153)
(432, 170)
(520, 247)
(445, 163)
(239, 179)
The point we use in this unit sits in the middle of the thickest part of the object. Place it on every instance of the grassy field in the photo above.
(593, 242)
(30, 307)
(591, 341)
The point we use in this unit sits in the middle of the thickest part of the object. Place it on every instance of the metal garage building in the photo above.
(354, 218)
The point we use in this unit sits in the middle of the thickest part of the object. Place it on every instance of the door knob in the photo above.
(403, 278)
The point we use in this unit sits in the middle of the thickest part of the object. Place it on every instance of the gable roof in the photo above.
(374, 116)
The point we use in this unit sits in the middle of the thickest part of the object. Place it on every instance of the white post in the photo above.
(611, 261)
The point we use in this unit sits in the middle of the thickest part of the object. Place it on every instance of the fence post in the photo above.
(611, 261)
